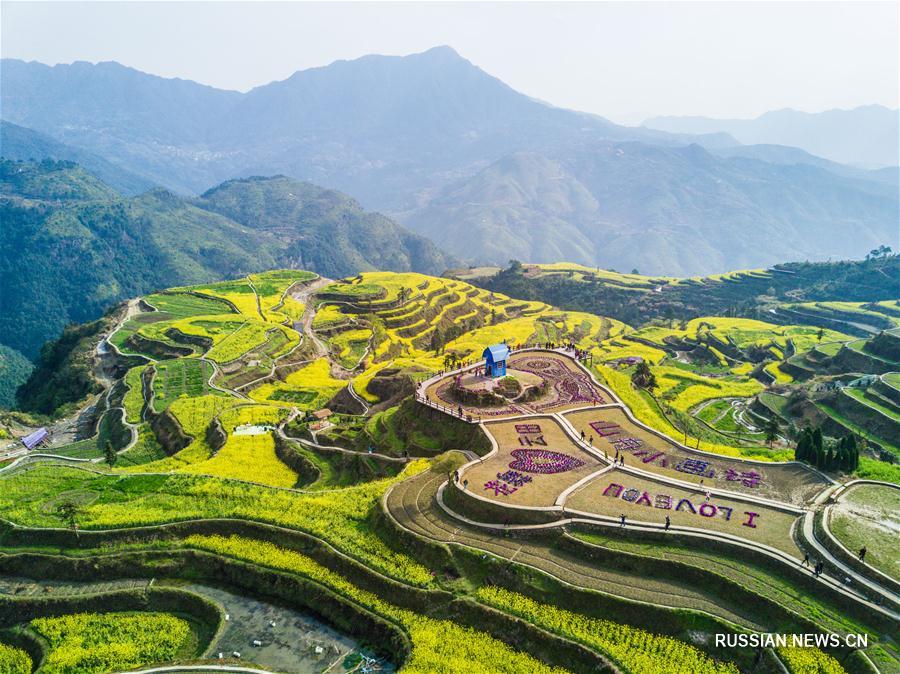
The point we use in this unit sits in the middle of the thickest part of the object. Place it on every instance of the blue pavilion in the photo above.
(495, 360)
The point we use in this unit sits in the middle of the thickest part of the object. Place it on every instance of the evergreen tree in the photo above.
(771, 429)
(110, 454)
(804, 445)
(852, 453)
(818, 442)
(841, 460)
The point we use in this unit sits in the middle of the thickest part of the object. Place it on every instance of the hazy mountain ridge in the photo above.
(662, 210)
(414, 136)
(71, 246)
(865, 136)
(21, 143)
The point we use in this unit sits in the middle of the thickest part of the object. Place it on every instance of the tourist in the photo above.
(668, 522)
(622, 516)
(591, 441)
(582, 435)
(465, 484)
(617, 455)
(622, 460)
(818, 570)
(862, 554)
(805, 561)
(456, 476)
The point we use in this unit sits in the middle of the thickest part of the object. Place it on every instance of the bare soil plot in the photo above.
(642, 500)
(868, 515)
(614, 432)
(536, 461)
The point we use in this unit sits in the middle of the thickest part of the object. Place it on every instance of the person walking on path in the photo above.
(668, 523)
(622, 516)
(805, 561)
(819, 566)
(862, 554)
(582, 435)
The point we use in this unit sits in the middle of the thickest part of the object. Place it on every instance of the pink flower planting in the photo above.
(543, 461)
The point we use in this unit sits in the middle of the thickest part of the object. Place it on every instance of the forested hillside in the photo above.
(71, 246)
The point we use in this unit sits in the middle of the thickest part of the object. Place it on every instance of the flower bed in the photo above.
(543, 461)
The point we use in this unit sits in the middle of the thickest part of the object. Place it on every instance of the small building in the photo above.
(32, 440)
(495, 360)
(322, 414)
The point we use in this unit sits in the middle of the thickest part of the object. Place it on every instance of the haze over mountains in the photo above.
(451, 152)
(866, 136)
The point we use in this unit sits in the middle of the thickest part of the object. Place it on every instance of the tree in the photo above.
(643, 377)
(110, 454)
(852, 453)
(771, 429)
(803, 450)
(68, 512)
(436, 340)
(818, 448)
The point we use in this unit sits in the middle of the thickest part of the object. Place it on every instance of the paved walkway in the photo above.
(415, 506)
(843, 570)
(412, 504)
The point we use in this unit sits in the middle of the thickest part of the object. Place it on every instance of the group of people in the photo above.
(816, 567)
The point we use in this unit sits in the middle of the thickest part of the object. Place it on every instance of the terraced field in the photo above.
(268, 440)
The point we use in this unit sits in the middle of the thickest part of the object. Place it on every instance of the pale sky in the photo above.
(625, 61)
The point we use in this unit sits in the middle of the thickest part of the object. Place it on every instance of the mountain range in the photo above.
(71, 246)
(867, 136)
(451, 152)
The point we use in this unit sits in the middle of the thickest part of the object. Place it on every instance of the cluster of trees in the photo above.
(811, 448)
(643, 377)
(881, 251)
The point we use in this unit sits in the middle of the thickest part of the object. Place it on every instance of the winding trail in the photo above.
(412, 505)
